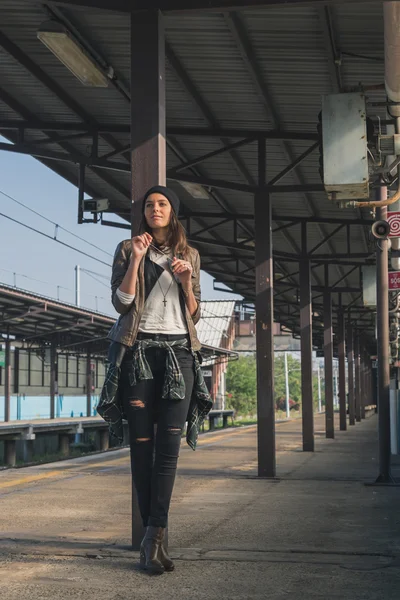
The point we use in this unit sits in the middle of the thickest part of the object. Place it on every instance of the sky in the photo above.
(41, 265)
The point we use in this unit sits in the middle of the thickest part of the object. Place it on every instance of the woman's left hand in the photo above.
(183, 270)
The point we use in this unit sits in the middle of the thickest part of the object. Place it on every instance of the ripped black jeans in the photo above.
(154, 458)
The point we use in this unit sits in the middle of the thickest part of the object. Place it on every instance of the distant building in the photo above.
(245, 332)
(216, 329)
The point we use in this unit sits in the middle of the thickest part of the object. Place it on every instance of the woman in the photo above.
(154, 374)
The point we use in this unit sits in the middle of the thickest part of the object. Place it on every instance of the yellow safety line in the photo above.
(106, 463)
(29, 478)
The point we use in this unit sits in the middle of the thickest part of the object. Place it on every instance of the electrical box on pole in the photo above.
(345, 146)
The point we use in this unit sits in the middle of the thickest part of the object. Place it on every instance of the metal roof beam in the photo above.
(27, 115)
(325, 16)
(192, 5)
(204, 109)
(249, 58)
(25, 61)
(74, 157)
(241, 187)
(284, 218)
(210, 118)
(273, 134)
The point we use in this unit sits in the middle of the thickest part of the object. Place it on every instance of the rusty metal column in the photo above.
(342, 370)
(358, 386)
(88, 385)
(328, 358)
(264, 323)
(382, 325)
(147, 106)
(7, 380)
(148, 146)
(53, 384)
(307, 404)
(350, 366)
(363, 382)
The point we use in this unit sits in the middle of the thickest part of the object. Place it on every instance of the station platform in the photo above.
(315, 532)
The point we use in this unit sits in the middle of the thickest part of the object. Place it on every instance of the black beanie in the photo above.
(167, 192)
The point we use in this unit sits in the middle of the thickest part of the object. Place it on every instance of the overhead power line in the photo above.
(53, 223)
(54, 239)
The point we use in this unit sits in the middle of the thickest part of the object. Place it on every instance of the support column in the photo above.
(382, 325)
(10, 452)
(358, 388)
(264, 324)
(88, 385)
(53, 382)
(16, 372)
(7, 381)
(307, 404)
(363, 382)
(148, 147)
(350, 365)
(28, 451)
(328, 358)
(103, 439)
(147, 106)
(342, 370)
(63, 444)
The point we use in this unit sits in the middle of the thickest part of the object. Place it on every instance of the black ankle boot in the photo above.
(150, 549)
(164, 558)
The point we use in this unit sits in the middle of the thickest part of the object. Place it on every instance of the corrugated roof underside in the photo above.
(291, 60)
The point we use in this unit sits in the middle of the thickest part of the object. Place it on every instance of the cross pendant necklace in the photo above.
(169, 287)
(166, 294)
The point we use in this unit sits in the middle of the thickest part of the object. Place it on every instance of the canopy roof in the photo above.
(236, 70)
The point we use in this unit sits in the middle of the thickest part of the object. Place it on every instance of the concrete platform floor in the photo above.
(318, 532)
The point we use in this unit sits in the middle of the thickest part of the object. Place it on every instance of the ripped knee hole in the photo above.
(139, 440)
(136, 403)
(175, 430)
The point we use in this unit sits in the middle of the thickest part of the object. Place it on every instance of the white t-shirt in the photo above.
(162, 310)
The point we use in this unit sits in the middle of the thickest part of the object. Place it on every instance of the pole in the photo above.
(350, 365)
(77, 285)
(319, 388)
(264, 323)
(342, 369)
(287, 388)
(307, 404)
(336, 396)
(88, 384)
(53, 376)
(328, 359)
(358, 384)
(148, 137)
(7, 380)
(382, 321)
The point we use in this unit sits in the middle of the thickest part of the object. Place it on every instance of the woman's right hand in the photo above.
(140, 243)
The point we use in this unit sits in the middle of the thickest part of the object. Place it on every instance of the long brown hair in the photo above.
(176, 238)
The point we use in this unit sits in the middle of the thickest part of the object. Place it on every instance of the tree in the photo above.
(241, 385)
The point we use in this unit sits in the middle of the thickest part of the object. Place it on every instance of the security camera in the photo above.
(380, 230)
(96, 205)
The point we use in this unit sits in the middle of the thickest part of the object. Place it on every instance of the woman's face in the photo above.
(157, 211)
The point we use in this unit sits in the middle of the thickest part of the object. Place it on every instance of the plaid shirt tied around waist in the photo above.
(110, 405)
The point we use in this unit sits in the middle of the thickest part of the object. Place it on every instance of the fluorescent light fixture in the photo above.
(195, 190)
(68, 51)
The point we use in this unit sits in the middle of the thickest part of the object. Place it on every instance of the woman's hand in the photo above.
(140, 243)
(183, 270)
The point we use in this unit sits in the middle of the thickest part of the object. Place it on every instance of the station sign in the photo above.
(2, 358)
(394, 280)
(393, 218)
